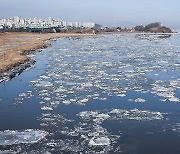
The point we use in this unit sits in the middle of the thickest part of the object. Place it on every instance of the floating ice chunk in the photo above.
(102, 99)
(44, 84)
(175, 84)
(100, 141)
(166, 92)
(61, 89)
(45, 108)
(47, 152)
(7, 152)
(135, 114)
(18, 137)
(84, 100)
(94, 116)
(116, 111)
(163, 100)
(52, 144)
(96, 95)
(44, 77)
(87, 114)
(88, 84)
(41, 102)
(47, 99)
(96, 98)
(121, 95)
(67, 102)
(174, 99)
(101, 117)
(140, 100)
(22, 95)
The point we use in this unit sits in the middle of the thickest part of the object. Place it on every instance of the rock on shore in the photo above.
(153, 28)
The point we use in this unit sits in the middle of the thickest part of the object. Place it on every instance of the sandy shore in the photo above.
(13, 46)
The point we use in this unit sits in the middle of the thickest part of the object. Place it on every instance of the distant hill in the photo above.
(153, 28)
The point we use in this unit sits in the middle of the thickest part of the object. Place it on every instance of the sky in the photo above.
(104, 12)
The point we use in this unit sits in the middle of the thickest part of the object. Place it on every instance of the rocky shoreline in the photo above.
(17, 70)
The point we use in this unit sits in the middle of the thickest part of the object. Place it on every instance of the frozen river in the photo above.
(101, 94)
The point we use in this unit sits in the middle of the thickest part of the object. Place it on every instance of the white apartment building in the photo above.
(17, 22)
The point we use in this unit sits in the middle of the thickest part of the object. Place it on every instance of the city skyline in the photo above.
(105, 12)
(18, 22)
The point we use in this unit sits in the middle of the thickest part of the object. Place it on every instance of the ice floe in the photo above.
(139, 100)
(46, 108)
(135, 114)
(44, 84)
(94, 115)
(166, 92)
(9, 137)
(101, 141)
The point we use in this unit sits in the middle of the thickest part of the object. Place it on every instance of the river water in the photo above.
(101, 94)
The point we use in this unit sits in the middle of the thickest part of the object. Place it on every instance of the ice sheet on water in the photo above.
(135, 114)
(95, 135)
(7, 152)
(46, 108)
(18, 137)
(101, 141)
(137, 100)
(44, 84)
(166, 92)
(44, 77)
(82, 137)
(67, 102)
(91, 136)
(61, 89)
(175, 83)
(94, 116)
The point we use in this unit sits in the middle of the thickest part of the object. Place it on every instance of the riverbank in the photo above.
(14, 46)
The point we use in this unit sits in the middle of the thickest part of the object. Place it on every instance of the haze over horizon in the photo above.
(105, 12)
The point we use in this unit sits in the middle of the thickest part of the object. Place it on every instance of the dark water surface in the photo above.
(102, 94)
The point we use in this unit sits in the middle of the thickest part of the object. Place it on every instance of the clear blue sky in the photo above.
(100, 11)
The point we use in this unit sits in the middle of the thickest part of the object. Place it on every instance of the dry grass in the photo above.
(14, 45)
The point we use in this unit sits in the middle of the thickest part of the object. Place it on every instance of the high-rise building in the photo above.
(16, 19)
(17, 22)
(50, 21)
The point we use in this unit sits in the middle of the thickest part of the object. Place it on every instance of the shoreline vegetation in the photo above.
(15, 45)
